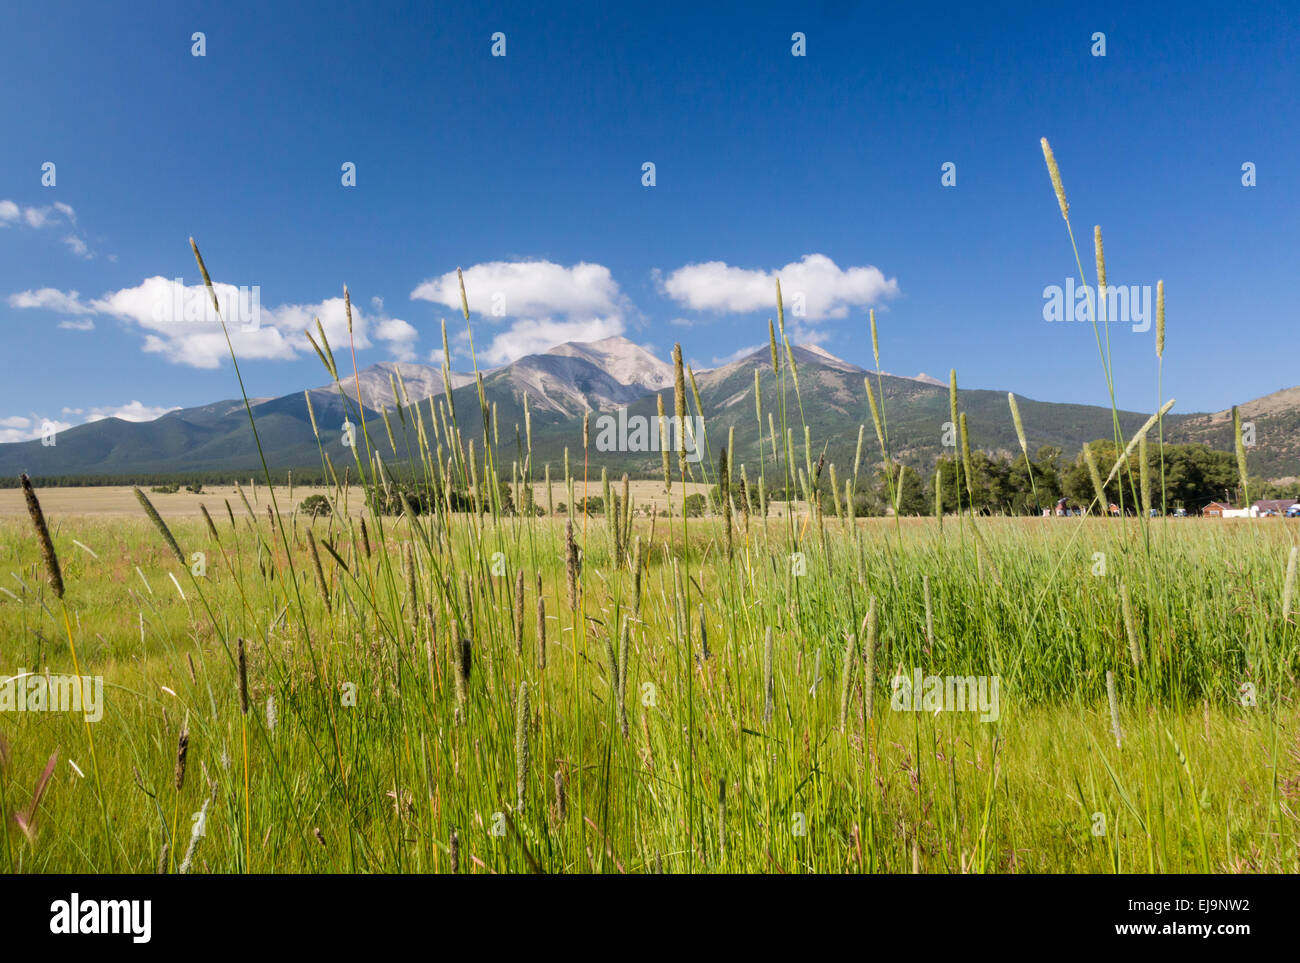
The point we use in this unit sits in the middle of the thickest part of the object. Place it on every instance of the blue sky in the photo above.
(526, 170)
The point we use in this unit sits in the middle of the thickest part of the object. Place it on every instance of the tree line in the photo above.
(1186, 476)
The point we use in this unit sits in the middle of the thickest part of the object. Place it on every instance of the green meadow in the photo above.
(658, 725)
(456, 660)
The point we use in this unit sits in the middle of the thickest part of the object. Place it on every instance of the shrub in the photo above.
(314, 506)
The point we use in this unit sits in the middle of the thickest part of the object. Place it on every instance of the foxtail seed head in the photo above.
(519, 612)
(1097, 487)
(242, 661)
(52, 571)
(541, 631)
(1138, 438)
(679, 405)
(965, 454)
(1160, 319)
(1020, 425)
(182, 753)
(207, 280)
(212, 528)
(159, 524)
(522, 754)
(1055, 173)
(1100, 253)
(663, 444)
(464, 301)
(875, 414)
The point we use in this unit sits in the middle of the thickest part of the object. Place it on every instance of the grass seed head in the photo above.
(52, 571)
(182, 753)
(1160, 319)
(1098, 489)
(159, 524)
(1055, 173)
(1020, 425)
(522, 755)
(241, 659)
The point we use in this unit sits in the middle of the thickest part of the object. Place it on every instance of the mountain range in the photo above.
(570, 379)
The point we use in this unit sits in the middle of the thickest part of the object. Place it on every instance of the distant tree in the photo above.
(902, 483)
(314, 506)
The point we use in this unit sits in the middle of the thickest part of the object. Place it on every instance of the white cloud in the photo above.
(51, 299)
(20, 428)
(399, 336)
(52, 215)
(178, 321)
(800, 334)
(545, 304)
(29, 428)
(527, 289)
(83, 325)
(816, 285)
(532, 336)
(131, 411)
(737, 354)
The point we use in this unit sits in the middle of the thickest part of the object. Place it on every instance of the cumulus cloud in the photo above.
(179, 322)
(526, 289)
(399, 336)
(31, 427)
(51, 299)
(56, 215)
(814, 285)
(131, 411)
(531, 336)
(543, 303)
(736, 355)
(26, 428)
